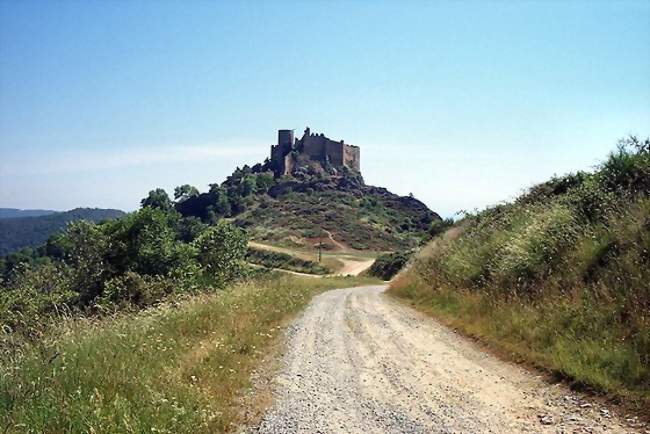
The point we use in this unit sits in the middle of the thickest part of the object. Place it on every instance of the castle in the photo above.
(312, 148)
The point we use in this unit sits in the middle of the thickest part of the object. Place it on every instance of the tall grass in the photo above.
(559, 278)
(171, 369)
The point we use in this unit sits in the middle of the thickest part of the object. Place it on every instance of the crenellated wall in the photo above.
(315, 146)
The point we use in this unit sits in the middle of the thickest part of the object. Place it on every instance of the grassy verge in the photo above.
(172, 369)
(560, 277)
(572, 339)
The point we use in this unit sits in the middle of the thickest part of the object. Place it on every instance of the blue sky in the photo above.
(462, 103)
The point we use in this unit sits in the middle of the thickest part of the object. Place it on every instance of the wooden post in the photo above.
(320, 245)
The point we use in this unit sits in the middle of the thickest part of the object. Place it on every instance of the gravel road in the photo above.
(360, 362)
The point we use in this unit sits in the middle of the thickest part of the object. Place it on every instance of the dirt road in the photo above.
(354, 267)
(350, 265)
(360, 362)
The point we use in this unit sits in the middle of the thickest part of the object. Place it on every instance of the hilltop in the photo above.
(310, 190)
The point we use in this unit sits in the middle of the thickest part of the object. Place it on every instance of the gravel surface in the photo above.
(360, 362)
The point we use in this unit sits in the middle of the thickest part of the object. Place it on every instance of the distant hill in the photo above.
(10, 213)
(19, 232)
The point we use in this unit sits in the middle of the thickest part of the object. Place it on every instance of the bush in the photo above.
(533, 247)
(438, 227)
(35, 293)
(146, 242)
(135, 261)
(86, 254)
(132, 289)
(221, 250)
(388, 265)
(628, 168)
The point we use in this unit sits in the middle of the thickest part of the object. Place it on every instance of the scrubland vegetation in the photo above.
(388, 265)
(176, 368)
(285, 261)
(130, 263)
(149, 323)
(560, 277)
(293, 210)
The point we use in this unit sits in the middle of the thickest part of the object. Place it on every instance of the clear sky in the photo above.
(462, 103)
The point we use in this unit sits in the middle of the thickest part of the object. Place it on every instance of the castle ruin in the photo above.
(291, 152)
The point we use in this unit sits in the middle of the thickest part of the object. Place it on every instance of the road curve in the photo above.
(360, 362)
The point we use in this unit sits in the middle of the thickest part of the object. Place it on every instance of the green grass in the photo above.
(578, 341)
(177, 368)
(559, 278)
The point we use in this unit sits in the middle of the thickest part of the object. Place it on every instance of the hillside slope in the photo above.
(341, 211)
(19, 232)
(559, 278)
(362, 218)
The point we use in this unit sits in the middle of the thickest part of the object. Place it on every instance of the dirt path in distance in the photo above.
(353, 267)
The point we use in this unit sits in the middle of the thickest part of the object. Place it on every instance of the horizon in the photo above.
(463, 104)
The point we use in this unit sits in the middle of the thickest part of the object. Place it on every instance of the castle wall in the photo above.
(352, 157)
(285, 138)
(314, 146)
(335, 153)
(288, 164)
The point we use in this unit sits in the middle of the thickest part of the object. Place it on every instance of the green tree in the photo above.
(222, 205)
(189, 228)
(264, 182)
(87, 247)
(157, 198)
(221, 250)
(184, 192)
(248, 185)
(146, 242)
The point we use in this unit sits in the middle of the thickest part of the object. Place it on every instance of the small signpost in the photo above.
(320, 245)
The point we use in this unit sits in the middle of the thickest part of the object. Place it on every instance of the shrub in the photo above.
(438, 227)
(590, 200)
(627, 168)
(221, 250)
(132, 289)
(531, 249)
(388, 265)
(86, 253)
(146, 242)
(36, 292)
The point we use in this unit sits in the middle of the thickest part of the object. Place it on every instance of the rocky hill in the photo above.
(312, 199)
(341, 215)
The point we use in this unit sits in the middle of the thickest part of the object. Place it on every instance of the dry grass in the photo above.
(174, 369)
(583, 320)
